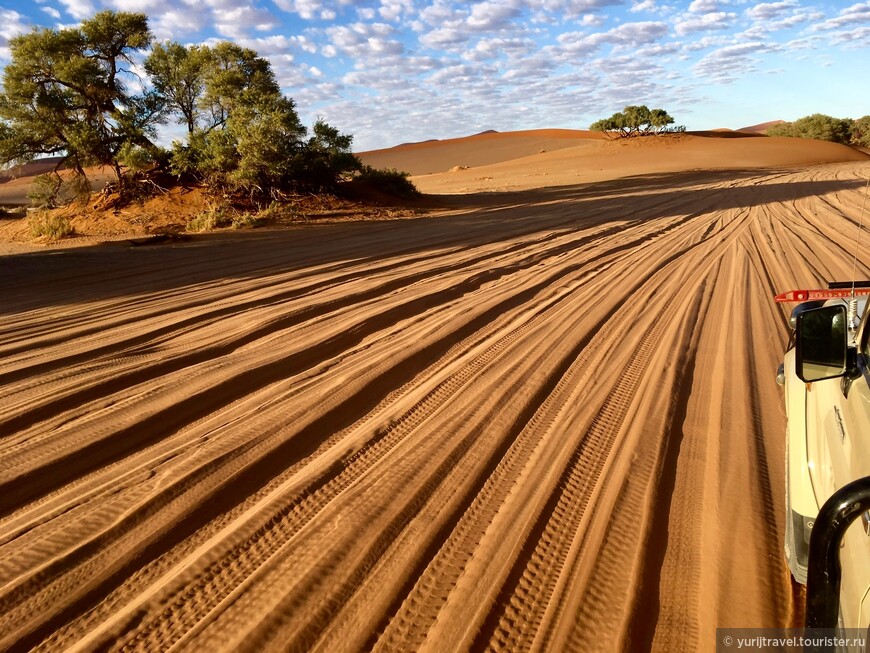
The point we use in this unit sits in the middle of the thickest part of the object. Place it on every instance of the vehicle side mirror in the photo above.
(821, 345)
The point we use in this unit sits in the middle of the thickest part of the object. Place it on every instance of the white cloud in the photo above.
(772, 10)
(854, 15)
(177, 23)
(704, 6)
(571, 8)
(856, 38)
(392, 10)
(150, 7)
(364, 39)
(729, 62)
(631, 34)
(704, 22)
(442, 12)
(236, 22)
(11, 24)
(79, 9)
(51, 11)
(278, 45)
(312, 9)
(445, 37)
(494, 48)
(492, 15)
(592, 20)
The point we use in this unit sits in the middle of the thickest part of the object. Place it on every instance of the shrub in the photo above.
(278, 212)
(390, 181)
(44, 190)
(50, 190)
(248, 220)
(817, 126)
(214, 217)
(50, 226)
(861, 132)
(135, 158)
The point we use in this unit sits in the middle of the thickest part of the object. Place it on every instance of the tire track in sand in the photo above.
(458, 491)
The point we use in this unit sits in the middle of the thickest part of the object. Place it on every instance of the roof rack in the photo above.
(817, 294)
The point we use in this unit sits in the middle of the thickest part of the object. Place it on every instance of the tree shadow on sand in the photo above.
(81, 274)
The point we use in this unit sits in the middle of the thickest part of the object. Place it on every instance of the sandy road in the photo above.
(539, 421)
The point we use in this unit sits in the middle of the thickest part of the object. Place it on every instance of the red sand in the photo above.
(538, 420)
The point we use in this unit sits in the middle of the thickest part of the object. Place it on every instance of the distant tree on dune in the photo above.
(636, 120)
(817, 126)
(861, 132)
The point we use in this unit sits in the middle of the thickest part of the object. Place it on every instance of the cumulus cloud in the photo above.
(704, 6)
(150, 7)
(772, 10)
(572, 8)
(718, 20)
(236, 22)
(313, 9)
(279, 45)
(394, 9)
(79, 9)
(492, 48)
(175, 24)
(855, 15)
(855, 38)
(492, 15)
(11, 24)
(364, 39)
(51, 11)
(773, 16)
(729, 62)
(631, 34)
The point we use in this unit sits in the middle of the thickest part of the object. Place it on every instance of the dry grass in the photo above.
(48, 225)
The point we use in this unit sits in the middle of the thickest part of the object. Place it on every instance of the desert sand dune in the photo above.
(600, 160)
(435, 156)
(533, 421)
(17, 182)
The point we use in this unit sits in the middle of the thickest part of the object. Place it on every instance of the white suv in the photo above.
(826, 375)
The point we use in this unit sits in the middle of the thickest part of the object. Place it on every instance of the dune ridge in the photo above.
(477, 150)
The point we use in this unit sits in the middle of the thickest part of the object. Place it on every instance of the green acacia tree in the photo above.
(861, 132)
(63, 93)
(635, 120)
(178, 74)
(817, 126)
(266, 138)
(243, 133)
(328, 158)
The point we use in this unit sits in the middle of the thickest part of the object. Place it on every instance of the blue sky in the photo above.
(393, 71)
